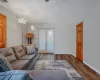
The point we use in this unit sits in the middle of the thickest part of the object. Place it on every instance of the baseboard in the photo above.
(62, 53)
(98, 71)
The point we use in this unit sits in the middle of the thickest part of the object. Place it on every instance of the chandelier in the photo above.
(22, 20)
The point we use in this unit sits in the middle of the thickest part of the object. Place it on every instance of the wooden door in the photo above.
(2, 31)
(79, 41)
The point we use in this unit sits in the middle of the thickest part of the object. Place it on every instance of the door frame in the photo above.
(4, 33)
(81, 54)
(46, 38)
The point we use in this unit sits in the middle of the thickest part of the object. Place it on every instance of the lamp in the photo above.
(29, 36)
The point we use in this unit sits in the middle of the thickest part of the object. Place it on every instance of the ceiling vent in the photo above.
(4, 1)
(46, 0)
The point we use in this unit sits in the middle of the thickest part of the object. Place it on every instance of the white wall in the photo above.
(91, 37)
(87, 11)
(73, 13)
(66, 15)
(14, 30)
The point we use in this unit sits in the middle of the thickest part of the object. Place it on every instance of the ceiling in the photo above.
(35, 10)
(39, 11)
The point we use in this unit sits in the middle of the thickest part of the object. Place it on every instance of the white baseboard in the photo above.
(62, 53)
(98, 71)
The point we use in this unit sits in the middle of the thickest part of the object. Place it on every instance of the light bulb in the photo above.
(50, 32)
(32, 27)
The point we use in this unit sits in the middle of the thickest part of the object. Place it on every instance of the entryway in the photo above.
(46, 39)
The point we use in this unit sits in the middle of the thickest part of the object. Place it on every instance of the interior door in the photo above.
(2, 31)
(79, 41)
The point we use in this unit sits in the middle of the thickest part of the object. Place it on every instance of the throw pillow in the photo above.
(4, 64)
(30, 50)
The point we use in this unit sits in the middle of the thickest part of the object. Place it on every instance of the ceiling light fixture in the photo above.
(22, 20)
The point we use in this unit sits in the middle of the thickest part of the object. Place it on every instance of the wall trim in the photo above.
(98, 71)
(63, 53)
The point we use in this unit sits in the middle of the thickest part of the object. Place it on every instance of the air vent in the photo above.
(4, 1)
(46, 0)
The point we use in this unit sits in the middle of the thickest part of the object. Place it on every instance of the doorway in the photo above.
(79, 41)
(2, 31)
(46, 39)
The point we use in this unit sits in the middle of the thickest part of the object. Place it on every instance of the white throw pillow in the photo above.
(30, 50)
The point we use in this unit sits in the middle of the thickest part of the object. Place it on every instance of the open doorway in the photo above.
(79, 41)
(46, 39)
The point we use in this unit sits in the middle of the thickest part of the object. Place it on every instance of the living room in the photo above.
(62, 18)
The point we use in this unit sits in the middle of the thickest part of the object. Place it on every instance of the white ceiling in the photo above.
(36, 10)
(39, 11)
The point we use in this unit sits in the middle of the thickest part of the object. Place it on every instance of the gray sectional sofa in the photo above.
(18, 57)
(22, 64)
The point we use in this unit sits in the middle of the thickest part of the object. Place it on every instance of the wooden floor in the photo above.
(86, 72)
(46, 57)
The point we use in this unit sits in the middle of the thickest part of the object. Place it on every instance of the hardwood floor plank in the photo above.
(86, 72)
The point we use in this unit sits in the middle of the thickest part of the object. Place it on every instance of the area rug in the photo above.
(58, 65)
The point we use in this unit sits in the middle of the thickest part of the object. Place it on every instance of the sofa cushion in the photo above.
(19, 64)
(4, 64)
(29, 57)
(8, 53)
(19, 51)
(24, 47)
